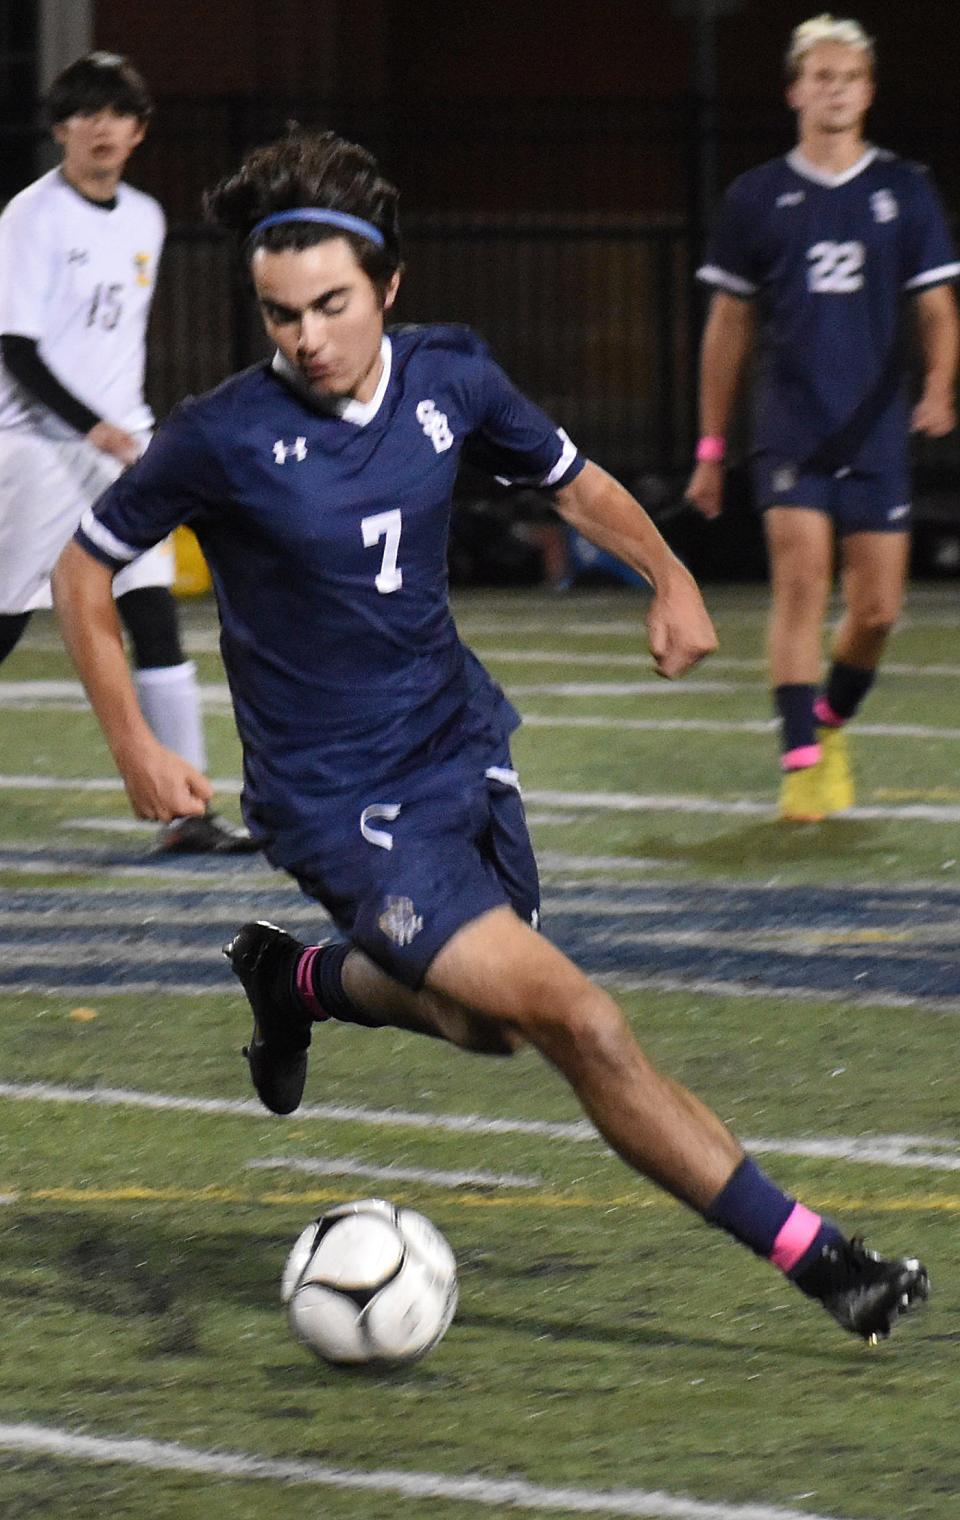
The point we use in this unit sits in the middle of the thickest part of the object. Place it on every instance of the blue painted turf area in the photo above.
(862, 943)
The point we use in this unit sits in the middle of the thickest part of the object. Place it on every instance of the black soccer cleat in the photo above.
(203, 834)
(864, 1292)
(265, 958)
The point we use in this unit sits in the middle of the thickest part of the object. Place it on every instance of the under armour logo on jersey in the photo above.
(883, 204)
(282, 450)
(896, 514)
(78, 256)
(791, 198)
(435, 425)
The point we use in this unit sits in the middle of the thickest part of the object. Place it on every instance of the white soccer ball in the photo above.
(370, 1282)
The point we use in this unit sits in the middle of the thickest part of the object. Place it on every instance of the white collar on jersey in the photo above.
(807, 170)
(358, 412)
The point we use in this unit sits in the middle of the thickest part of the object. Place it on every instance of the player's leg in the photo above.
(12, 625)
(873, 577)
(400, 884)
(168, 693)
(498, 965)
(800, 544)
(497, 974)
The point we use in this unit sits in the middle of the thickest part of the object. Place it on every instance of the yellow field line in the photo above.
(915, 1204)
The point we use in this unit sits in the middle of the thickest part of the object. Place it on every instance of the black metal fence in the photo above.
(593, 319)
(584, 289)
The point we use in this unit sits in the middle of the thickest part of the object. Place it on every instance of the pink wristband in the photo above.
(711, 450)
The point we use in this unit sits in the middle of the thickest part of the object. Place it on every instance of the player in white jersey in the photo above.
(79, 251)
(833, 245)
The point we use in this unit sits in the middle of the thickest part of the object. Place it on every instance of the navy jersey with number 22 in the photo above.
(829, 259)
(325, 529)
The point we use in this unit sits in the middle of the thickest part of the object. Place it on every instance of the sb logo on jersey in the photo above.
(141, 264)
(435, 425)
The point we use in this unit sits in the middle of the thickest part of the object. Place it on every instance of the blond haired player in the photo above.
(827, 251)
(78, 259)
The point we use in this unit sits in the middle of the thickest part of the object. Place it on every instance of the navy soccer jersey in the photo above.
(325, 529)
(829, 259)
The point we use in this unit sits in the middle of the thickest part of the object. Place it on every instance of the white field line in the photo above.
(493, 1493)
(228, 785)
(619, 982)
(600, 658)
(725, 726)
(68, 696)
(18, 694)
(390, 1118)
(297, 911)
(139, 826)
(474, 628)
(924, 1152)
(790, 943)
(769, 992)
(347, 1166)
(656, 688)
(634, 802)
(53, 689)
(618, 802)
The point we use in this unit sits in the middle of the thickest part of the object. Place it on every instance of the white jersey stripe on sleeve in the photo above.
(93, 528)
(567, 455)
(933, 276)
(712, 274)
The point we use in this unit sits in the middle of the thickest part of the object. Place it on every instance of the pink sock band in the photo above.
(800, 759)
(825, 714)
(796, 1236)
(303, 981)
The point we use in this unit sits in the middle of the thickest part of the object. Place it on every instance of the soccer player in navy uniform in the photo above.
(831, 247)
(377, 767)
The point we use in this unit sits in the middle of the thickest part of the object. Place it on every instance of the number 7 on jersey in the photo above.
(385, 525)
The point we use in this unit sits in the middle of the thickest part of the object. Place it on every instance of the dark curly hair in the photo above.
(315, 169)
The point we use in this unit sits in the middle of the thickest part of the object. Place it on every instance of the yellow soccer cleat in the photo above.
(801, 797)
(836, 776)
(818, 791)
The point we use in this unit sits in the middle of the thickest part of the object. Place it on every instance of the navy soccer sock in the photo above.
(754, 1211)
(846, 687)
(318, 985)
(798, 737)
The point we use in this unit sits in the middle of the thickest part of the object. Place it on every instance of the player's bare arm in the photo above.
(159, 783)
(727, 340)
(116, 442)
(935, 413)
(678, 625)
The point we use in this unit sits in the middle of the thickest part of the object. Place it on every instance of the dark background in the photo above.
(558, 162)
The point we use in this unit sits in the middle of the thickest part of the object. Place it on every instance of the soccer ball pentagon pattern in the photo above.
(370, 1283)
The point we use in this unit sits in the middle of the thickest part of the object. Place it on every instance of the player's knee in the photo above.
(877, 621)
(589, 1029)
(800, 590)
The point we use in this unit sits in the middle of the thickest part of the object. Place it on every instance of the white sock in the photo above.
(170, 702)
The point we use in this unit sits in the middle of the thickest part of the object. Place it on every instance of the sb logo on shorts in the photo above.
(400, 920)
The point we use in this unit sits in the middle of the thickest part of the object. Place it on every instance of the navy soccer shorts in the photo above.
(401, 869)
(856, 502)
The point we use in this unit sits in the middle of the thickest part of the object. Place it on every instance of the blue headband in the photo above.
(341, 219)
